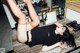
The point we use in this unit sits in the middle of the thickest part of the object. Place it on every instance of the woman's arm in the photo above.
(33, 14)
(15, 9)
(47, 48)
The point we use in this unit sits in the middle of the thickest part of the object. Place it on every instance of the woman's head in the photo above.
(65, 35)
(60, 29)
(68, 37)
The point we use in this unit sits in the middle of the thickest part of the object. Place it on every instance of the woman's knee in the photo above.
(22, 40)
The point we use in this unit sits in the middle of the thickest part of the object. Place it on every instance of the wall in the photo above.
(51, 18)
(73, 15)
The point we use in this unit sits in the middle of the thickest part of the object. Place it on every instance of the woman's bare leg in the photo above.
(22, 25)
(21, 31)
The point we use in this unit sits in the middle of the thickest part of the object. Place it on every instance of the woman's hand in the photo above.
(61, 44)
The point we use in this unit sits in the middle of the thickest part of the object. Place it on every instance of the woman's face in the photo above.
(60, 29)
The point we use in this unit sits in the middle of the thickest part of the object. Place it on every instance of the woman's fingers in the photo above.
(61, 44)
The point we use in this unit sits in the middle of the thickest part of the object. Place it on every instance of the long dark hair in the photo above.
(68, 38)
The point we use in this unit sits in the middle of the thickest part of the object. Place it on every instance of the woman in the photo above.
(49, 36)
(23, 26)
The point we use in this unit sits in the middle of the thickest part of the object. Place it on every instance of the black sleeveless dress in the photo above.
(43, 35)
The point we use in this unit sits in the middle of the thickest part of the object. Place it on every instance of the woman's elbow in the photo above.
(44, 48)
